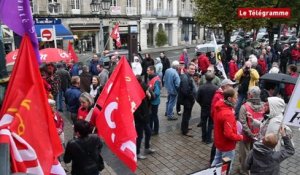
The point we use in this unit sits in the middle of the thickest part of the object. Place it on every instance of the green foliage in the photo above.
(214, 12)
(161, 37)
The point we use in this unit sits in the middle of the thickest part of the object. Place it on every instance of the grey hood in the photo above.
(276, 105)
(262, 151)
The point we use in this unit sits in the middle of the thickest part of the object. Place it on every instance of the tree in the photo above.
(161, 37)
(224, 12)
(216, 12)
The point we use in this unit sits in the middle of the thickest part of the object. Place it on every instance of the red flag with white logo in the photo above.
(120, 97)
(115, 34)
(72, 53)
(26, 121)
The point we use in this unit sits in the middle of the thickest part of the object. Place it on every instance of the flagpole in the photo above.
(54, 32)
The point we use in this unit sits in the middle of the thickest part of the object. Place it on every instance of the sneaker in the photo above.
(141, 157)
(172, 118)
(149, 151)
(179, 112)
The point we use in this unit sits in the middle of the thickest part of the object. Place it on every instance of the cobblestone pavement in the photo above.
(177, 154)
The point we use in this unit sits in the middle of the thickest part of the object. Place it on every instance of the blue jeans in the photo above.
(59, 100)
(219, 155)
(241, 99)
(170, 105)
(154, 123)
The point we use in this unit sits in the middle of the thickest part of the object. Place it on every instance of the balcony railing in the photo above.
(159, 13)
(186, 13)
(131, 11)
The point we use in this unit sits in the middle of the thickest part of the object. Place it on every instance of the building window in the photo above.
(159, 4)
(114, 2)
(182, 4)
(170, 7)
(129, 3)
(148, 5)
(52, 1)
(75, 4)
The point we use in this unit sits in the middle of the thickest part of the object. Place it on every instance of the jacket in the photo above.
(85, 81)
(172, 81)
(217, 97)
(77, 151)
(142, 113)
(166, 64)
(155, 87)
(203, 63)
(205, 95)
(233, 68)
(72, 99)
(263, 66)
(254, 77)
(187, 90)
(290, 87)
(273, 123)
(257, 107)
(262, 160)
(65, 79)
(93, 67)
(225, 130)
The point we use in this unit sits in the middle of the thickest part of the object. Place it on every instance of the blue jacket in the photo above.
(72, 98)
(93, 67)
(171, 81)
(156, 91)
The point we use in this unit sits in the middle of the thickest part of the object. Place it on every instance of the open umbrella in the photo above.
(11, 57)
(54, 55)
(279, 78)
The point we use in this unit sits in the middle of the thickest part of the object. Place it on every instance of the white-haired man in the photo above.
(250, 116)
(172, 82)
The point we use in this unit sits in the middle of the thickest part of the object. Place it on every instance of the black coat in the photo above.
(142, 113)
(81, 151)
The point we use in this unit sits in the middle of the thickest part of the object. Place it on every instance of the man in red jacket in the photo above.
(225, 129)
(203, 63)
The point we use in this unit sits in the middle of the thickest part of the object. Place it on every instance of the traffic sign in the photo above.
(47, 34)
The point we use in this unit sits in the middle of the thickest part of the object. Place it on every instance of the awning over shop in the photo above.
(61, 31)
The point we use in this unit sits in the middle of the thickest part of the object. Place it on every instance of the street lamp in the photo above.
(96, 7)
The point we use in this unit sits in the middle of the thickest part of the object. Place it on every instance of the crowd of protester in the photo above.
(239, 109)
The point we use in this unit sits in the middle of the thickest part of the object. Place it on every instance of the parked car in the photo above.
(289, 39)
(207, 47)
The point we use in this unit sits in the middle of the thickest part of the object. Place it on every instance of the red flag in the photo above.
(121, 96)
(31, 125)
(72, 53)
(115, 34)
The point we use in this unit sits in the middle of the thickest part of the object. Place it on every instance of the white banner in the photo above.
(292, 112)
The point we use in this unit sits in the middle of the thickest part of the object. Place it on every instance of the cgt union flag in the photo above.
(120, 97)
(115, 34)
(26, 121)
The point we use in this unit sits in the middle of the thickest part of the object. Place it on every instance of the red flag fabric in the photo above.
(115, 34)
(121, 96)
(32, 124)
(72, 53)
